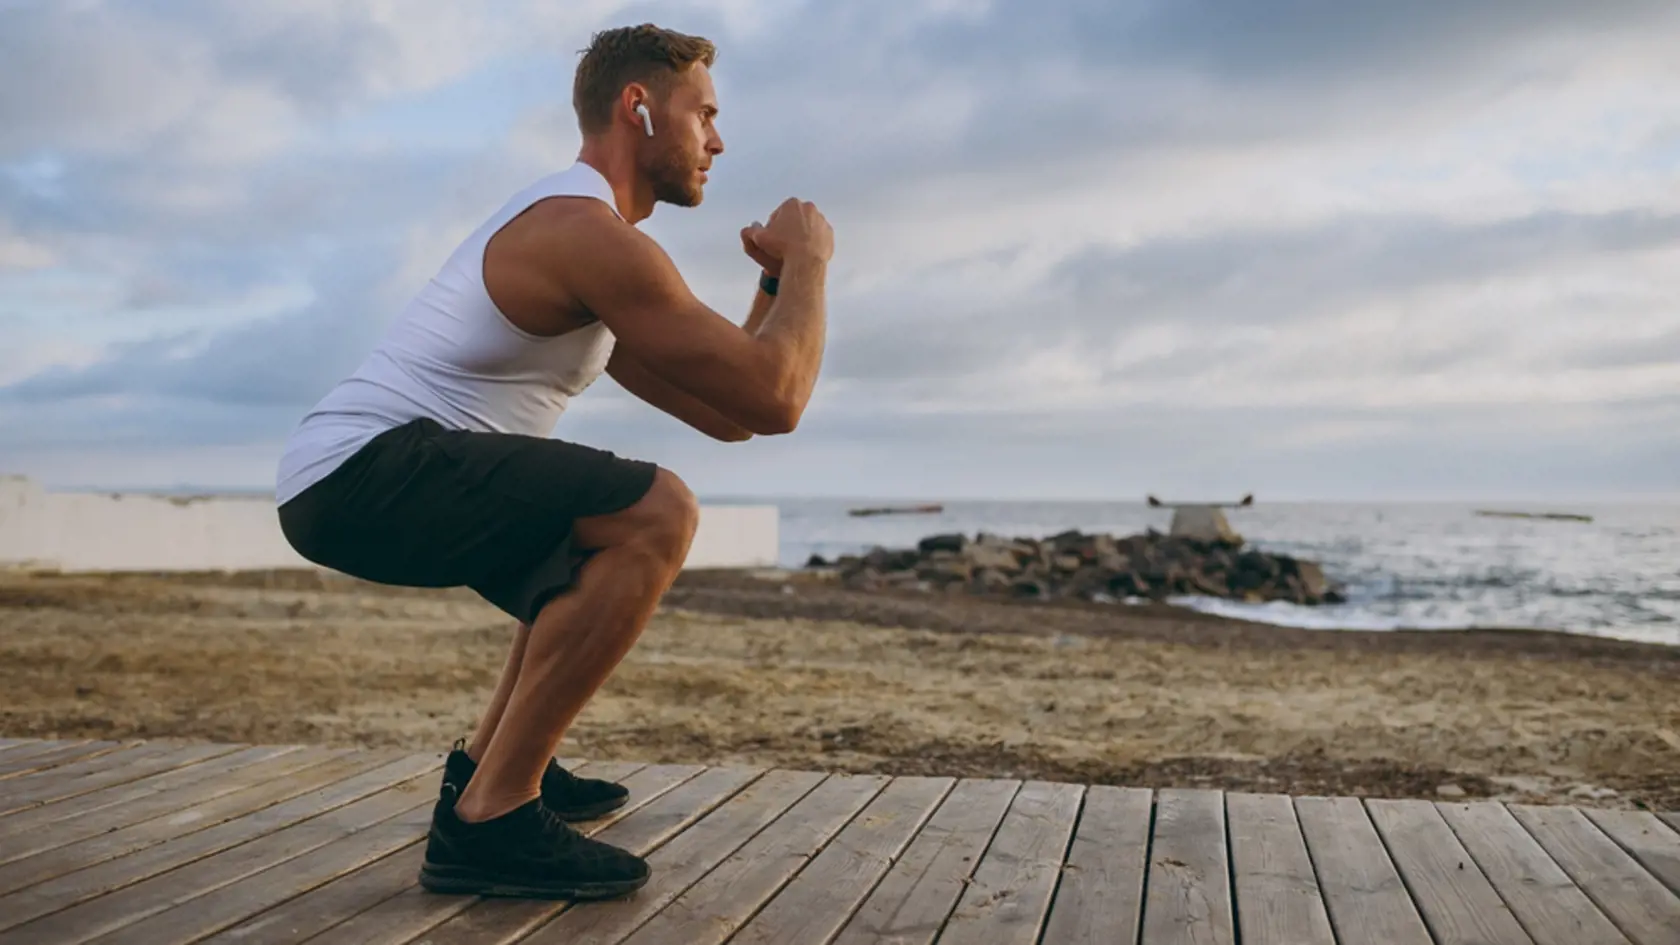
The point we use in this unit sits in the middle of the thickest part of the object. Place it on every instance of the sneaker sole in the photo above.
(590, 812)
(457, 881)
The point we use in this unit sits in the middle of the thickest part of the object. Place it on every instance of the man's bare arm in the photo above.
(757, 314)
(760, 381)
(634, 377)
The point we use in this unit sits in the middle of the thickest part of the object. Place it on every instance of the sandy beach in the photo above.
(788, 670)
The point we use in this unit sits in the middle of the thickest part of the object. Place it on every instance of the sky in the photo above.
(1084, 248)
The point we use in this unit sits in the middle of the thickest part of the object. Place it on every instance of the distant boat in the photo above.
(1556, 516)
(900, 510)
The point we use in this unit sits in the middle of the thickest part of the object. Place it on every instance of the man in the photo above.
(431, 464)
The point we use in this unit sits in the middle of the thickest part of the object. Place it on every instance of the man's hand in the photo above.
(767, 262)
(796, 228)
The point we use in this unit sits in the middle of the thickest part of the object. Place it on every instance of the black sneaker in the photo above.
(527, 853)
(567, 795)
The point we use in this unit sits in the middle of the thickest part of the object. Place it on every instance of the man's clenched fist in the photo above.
(796, 229)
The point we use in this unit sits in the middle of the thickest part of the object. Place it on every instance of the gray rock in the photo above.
(989, 581)
(1313, 583)
(996, 557)
(953, 542)
(945, 572)
(1074, 565)
(1203, 523)
(1030, 587)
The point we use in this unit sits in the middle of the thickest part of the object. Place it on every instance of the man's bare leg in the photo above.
(498, 700)
(579, 638)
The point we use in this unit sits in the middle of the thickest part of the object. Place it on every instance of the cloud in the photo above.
(19, 253)
(1281, 233)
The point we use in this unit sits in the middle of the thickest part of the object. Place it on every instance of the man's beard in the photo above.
(671, 175)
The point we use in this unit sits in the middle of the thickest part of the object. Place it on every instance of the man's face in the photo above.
(676, 158)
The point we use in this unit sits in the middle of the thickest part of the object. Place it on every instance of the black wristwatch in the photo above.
(768, 283)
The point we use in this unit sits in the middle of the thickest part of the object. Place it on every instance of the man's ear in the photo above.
(633, 94)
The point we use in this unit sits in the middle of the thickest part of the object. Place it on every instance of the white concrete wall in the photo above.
(132, 532)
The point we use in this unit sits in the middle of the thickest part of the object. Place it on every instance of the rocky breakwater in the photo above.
(1092, 567)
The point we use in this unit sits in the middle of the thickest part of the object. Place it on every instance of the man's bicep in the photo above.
(632, 286)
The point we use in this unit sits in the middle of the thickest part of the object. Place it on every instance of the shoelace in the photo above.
(556, 827)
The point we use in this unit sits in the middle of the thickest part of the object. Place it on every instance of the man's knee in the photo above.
(676, 510)
(661, 523)
(670, 515)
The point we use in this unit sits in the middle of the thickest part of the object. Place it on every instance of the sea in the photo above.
(1425, 566)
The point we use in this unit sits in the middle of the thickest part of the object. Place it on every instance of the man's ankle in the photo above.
(474, 809)
(471, 749)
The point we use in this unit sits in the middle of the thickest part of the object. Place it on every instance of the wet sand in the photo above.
(796, 672)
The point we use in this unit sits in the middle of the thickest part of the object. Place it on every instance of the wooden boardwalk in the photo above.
(167, 842)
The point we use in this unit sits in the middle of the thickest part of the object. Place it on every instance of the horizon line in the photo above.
(1506, 503)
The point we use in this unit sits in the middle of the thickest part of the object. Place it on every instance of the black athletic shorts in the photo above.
(426, 506)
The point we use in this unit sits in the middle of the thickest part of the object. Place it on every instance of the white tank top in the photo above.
(452, 356)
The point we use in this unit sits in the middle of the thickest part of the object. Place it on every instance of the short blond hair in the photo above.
(616, 57)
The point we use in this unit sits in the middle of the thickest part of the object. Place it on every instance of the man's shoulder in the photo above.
(564, 208)
(560, 229)
(569, 231)
(575, 250)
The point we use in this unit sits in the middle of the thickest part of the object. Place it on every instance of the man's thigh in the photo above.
(432, 507)
(668, 509)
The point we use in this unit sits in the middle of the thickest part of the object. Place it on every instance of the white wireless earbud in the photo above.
(647, 120)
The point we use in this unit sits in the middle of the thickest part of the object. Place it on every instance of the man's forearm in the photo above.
(761, 303)
(794, 326)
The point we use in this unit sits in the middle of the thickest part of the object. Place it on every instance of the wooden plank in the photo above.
(1187, 892)
(48, 755)
(84, 760)
(1650, 841)
(329, 904)
(818, 901)
(712, 909)
(911, 904)
(91, 851)
(1550, 906)
(413, 911)
(1639, 904)
(228, 905)
(1009, 895)
(46, 746)
(348, 782)
(1362, 891)
(83, 777)
(39, 746)
(1671, 818)
(1100, 897)
(114, 758)
(63, 808)
(56, 828)
(1278, 902)
(7, 744)
(681, 862)
(1457, 901)
(128, 905)
(502, 920)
